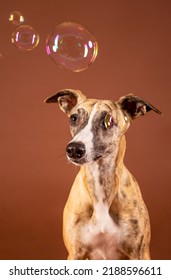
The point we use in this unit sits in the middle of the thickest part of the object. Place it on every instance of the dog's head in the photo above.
(97, 125)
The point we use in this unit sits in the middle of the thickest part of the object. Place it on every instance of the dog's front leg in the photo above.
(77, 212)
(71, 236)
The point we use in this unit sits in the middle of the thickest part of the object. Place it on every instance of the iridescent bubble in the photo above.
(25, 38)
(16, 18)
(72, 46)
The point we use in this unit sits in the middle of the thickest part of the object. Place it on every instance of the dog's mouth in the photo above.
(84, 160)
(77, 161)
(97, 157)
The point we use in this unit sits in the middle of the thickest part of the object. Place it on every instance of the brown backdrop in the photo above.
(134, 40)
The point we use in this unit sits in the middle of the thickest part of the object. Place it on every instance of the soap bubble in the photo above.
(72, 46)
(16, 18)
(25, 38)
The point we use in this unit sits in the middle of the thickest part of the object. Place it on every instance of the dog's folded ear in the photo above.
(135, 106)
(66, 98)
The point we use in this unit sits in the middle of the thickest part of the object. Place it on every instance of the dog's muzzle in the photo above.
(75, 151)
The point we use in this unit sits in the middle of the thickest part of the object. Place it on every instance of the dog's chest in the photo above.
(100, 234)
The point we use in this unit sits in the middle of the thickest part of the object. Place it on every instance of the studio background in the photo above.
(134, 39)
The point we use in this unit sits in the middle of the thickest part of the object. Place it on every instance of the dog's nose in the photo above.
(75, 150)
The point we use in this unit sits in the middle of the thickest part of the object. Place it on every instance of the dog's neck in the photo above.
(102, 176)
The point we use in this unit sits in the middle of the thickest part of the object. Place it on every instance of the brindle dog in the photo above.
(105, 216)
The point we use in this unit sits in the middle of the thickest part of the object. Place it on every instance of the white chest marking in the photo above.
(101, 233)
(100, 223)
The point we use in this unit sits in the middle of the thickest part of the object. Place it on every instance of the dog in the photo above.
(105, 216)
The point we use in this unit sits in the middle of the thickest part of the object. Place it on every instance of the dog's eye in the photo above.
(108, 121)
(73, 119)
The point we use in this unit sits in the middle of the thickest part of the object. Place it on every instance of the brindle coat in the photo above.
(105, 216)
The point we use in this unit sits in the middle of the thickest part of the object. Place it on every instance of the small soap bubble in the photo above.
(25, 38)
(16, 18)
(71, 46)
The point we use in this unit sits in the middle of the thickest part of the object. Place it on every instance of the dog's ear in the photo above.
(66, 98)
(135, 106)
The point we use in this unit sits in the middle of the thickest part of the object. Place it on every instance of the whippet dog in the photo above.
(105, 216)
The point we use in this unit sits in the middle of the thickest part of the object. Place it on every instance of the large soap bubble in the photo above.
(71, 46)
